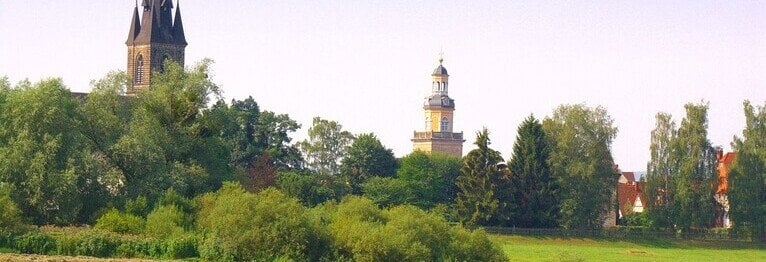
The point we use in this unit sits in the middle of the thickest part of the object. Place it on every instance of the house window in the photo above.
(139, 77)
(444, 124)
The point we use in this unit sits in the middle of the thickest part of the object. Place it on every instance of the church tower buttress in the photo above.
(439, 109)
(154, 37)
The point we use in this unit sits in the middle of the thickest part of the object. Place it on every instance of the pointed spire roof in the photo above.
(178, 27)
(135, 27)
(157, 24)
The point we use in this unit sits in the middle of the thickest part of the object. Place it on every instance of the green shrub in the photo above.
(97, 244)
(184, 246)
(138, 207)
(363, 232)
(119, 222)
(243, 226)
(10, 215)
(473, 246)
(164, 221)
(35, 243)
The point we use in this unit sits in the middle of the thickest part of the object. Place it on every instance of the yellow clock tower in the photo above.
(439, 108)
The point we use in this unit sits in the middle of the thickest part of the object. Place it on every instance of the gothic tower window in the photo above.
(139, 77)
(444, 127)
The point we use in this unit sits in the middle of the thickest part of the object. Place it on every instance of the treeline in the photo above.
(682, 174)
(70, 159)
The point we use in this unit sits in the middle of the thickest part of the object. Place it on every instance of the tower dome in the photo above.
(440, 70)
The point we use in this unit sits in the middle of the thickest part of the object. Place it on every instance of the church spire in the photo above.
(178, 27)
(135, 26)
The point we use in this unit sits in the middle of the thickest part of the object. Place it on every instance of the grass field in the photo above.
(519, 248)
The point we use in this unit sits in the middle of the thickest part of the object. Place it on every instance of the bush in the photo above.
(637, 220)
(363, 232)
(264, 226)
(165, 221)
(473, 246)
(10, 215)
(35, 243)
(119, 222)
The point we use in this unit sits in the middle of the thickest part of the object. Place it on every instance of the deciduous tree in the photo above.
(582, 161)
(326, 145)
(747, 178)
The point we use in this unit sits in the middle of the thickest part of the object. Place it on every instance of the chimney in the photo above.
(719, 154)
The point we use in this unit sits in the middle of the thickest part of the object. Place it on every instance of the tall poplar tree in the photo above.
(533, 186)
(581, 159)
(694, 203)
(747, 178)
(477, 202)
(660, 172)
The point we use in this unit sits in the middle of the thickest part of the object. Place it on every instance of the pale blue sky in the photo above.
(367, 64)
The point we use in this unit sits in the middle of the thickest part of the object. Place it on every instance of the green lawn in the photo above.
(519, 248)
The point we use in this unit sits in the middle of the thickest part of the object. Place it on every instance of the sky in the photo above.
(367, 64)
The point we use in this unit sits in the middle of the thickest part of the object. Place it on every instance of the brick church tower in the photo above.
(439, 109)
(153, 37)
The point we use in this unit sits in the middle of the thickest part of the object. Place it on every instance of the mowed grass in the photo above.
(521, 248)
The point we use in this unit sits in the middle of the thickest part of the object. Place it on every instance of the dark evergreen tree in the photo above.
(533, 187)
(477, 202)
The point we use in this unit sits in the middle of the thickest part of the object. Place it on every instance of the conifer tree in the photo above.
(477, 202)
(532, 185)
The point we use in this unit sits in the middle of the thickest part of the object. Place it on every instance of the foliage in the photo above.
(387, 191)
(310, 190)
(366, 158)
(747, 190)
(637, 219)
(696, 171)
(35, 243)
(165, 145)
(581, 159)
(242, 226)
(533, 187)
(121, 222)
(10, 215)
(660, 172)
(477, 199)
(326, 145)
(43, 151)
(165, 221)
(363, 232)
(430, 178)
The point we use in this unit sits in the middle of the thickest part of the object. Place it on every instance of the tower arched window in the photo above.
(428, 124)
(444, 127)
(139, 76)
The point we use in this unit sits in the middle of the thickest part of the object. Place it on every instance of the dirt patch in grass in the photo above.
(26, 257)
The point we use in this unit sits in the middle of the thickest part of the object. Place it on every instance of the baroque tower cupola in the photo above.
(439, 110)
(154, 36)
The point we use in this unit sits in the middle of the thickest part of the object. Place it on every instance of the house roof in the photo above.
(627, 194)
(629, 176)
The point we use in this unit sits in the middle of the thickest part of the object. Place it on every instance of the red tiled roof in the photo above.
(629, 176)
(626, 196)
